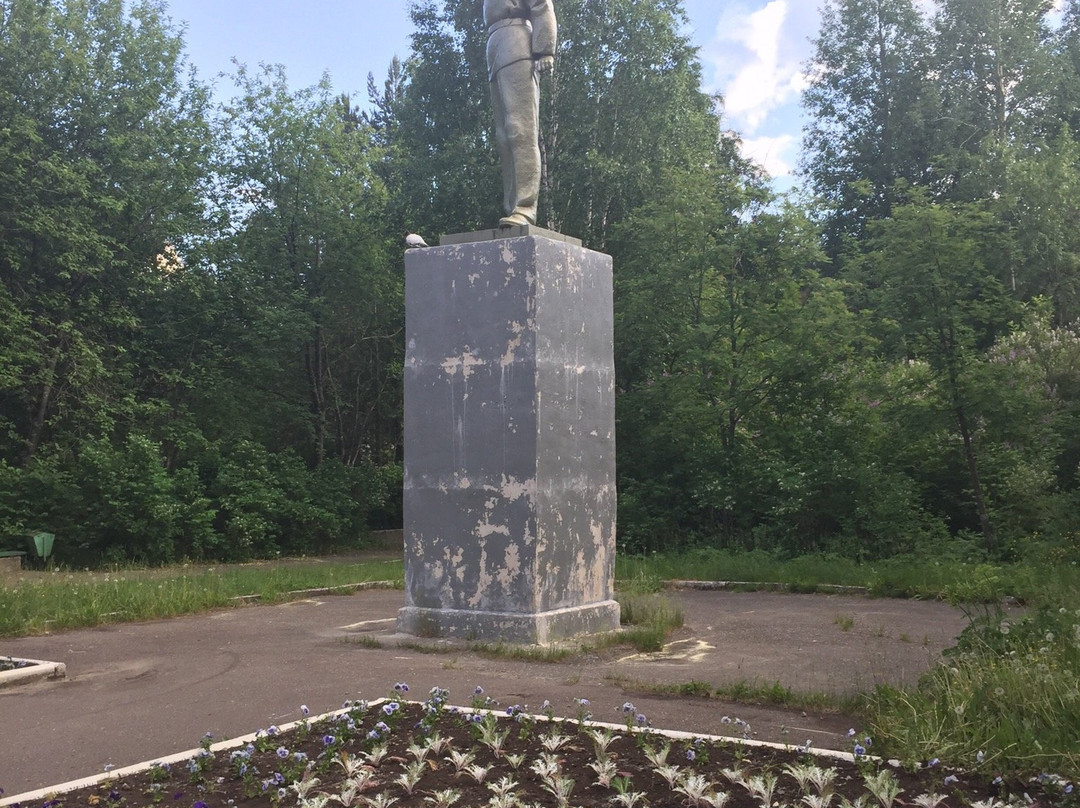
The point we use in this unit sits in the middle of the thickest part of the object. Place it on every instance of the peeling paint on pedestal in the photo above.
(509, 441)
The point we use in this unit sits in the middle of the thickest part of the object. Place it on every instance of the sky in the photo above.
(753, 52)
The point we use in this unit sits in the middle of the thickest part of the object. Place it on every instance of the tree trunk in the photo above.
(313, 362)
(41, 410)
(989, 536)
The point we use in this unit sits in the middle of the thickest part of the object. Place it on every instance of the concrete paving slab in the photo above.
(139, 691)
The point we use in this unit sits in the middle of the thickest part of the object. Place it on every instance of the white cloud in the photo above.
(757, 66)
(776, 155)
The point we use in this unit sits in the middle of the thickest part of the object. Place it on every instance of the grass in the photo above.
(907, 577)
(749, 692)
(1007, 698)
(67, 600)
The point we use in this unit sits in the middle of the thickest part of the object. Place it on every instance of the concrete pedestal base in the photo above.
(509, 494)
(542, 628)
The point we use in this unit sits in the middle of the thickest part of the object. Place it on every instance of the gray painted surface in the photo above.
(509, 493)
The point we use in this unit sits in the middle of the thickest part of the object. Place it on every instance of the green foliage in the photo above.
(873, 111)
(201, 309)
(103, 160)
(1008, 691)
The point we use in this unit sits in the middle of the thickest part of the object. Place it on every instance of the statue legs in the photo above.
(515, 95)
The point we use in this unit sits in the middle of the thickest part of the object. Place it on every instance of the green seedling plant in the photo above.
(504, 792)
(669, 773)
(444, 798)
(409, 779)
(658, 756)
(477, 772)
(383, 800)
(929, 800)
(606, 770)
(631, 799)
(560, 788)
(697, 790)
(437, 744)
(602, 740)
(460, 760)
(884, 787)
(554, 741)
(546, 766)
(762, 787)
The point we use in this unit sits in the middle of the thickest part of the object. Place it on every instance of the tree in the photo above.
(624, 106)
(739, 391)
(872, 107)
(311, 256)
(926, 271)
(444, 174)
(103, 160)
(993, 69)
(1066, 67)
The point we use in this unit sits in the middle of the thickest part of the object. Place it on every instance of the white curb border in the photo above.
(35, 670)
(29, 798)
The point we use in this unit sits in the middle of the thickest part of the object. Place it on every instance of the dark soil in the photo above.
(260, 774)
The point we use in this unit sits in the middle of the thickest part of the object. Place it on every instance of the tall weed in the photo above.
(1007, 697)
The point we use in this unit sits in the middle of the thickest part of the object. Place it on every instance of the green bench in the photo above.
(39, 543)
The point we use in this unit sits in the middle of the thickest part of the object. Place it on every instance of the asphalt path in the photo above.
(140, 691)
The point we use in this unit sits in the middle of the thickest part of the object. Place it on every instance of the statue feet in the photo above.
(515, 220)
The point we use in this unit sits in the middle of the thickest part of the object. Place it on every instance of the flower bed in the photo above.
(405, 753)
(13, 664)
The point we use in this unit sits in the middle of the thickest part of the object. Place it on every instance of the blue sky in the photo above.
(752, 52)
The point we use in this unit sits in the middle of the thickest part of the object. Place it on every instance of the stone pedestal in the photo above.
(509, 440)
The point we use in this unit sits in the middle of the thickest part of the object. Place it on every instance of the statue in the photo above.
(521, 47)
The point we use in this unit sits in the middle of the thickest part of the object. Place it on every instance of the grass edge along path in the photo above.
(66, 601)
